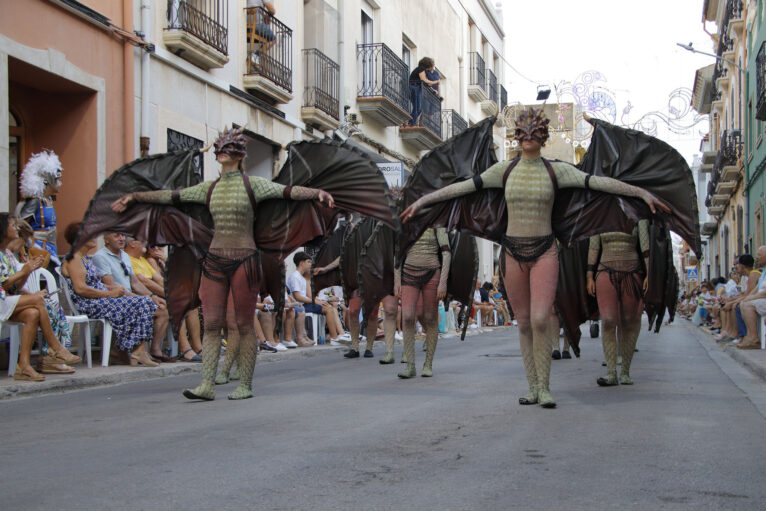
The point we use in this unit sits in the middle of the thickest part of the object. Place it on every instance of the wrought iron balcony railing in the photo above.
(730, 149)
(734, 10)
(322, 78)
(503, 98)
(452, 124)
(382, 74)
(207, 20)
(492, 86)
(477, 71)
(269, 48)
(431, 117)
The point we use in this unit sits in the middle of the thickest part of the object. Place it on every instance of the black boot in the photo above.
(351, 354)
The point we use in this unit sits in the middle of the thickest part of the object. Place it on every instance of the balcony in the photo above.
(707, 168)
(269, 71)
(717, 103)
(728, 48)
(724, 187)
(384, 91)
(477, 80)
(760, 83)
(720, 199)
(708, 228)
(198, 32)
(736, 20)
(321, 104)
(716, 210)
(722, 83)
(489, 107)
(427, 133)
(452, 124)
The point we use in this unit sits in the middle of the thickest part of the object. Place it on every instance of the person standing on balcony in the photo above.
(417, 78)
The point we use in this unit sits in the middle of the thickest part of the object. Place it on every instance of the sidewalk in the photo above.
(117, 374)
(753, 360)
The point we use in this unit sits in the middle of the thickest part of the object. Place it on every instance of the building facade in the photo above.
(151, 76)
(66, 77)
(719, 90)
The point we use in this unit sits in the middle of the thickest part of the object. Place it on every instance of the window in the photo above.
(406, 56)
(178, 141)
(367, 35)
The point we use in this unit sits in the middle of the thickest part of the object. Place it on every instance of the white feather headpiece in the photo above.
(42, 169)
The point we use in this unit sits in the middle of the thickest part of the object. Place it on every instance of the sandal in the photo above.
(143, 359)
(46, 368)
(22, 376)
(56, 357)
(195, 358)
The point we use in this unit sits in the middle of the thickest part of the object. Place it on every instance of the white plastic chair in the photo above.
(85, 321)
(14, 330)
(317, 322)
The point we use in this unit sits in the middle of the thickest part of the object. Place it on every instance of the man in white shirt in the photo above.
(297, 286)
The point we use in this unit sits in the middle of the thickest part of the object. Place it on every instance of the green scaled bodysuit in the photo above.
(420, 265)
(233, 218)
(529, 196)
(614, 261)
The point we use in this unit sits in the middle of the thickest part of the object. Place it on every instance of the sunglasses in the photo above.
(125, 268)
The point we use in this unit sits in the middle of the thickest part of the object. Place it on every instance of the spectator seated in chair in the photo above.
(754, 306)
(29, 309)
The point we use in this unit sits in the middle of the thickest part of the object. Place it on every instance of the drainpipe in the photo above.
(127, 70)
(146, 28)
(341, 49)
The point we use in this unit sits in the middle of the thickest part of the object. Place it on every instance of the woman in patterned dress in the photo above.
(15, 272)
(131, 317)
(28, 309)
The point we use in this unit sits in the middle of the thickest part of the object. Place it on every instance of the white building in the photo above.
(295, 75)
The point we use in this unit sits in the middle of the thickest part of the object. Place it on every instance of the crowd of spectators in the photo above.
(122, 282)
(731, 307)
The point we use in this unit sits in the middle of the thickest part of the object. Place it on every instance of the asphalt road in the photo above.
(327, 433)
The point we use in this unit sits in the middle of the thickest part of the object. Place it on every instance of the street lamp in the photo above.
(688, 47)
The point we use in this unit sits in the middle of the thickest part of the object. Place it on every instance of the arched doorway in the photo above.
(16, 156)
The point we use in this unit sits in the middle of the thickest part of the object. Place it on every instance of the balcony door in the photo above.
(368, 55)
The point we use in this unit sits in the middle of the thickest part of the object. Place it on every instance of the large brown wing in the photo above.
(186, 229)
(376, 268)
(350, 176)
(188, 225)
(463, 156)
(328, 252)
(640, 160)
(573, 303)
(464, 267)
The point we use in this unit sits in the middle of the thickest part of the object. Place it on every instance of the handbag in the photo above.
(38, 252)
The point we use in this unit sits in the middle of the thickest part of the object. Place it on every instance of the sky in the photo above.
(631, 45)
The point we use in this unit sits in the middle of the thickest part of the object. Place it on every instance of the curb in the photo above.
(740, 356)
(754, 367)
(68, 383)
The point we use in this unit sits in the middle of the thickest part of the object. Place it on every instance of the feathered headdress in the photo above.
(232, 142)
(42, 169)
(531, 124)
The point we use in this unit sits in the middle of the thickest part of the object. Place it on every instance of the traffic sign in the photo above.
(691, 274)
